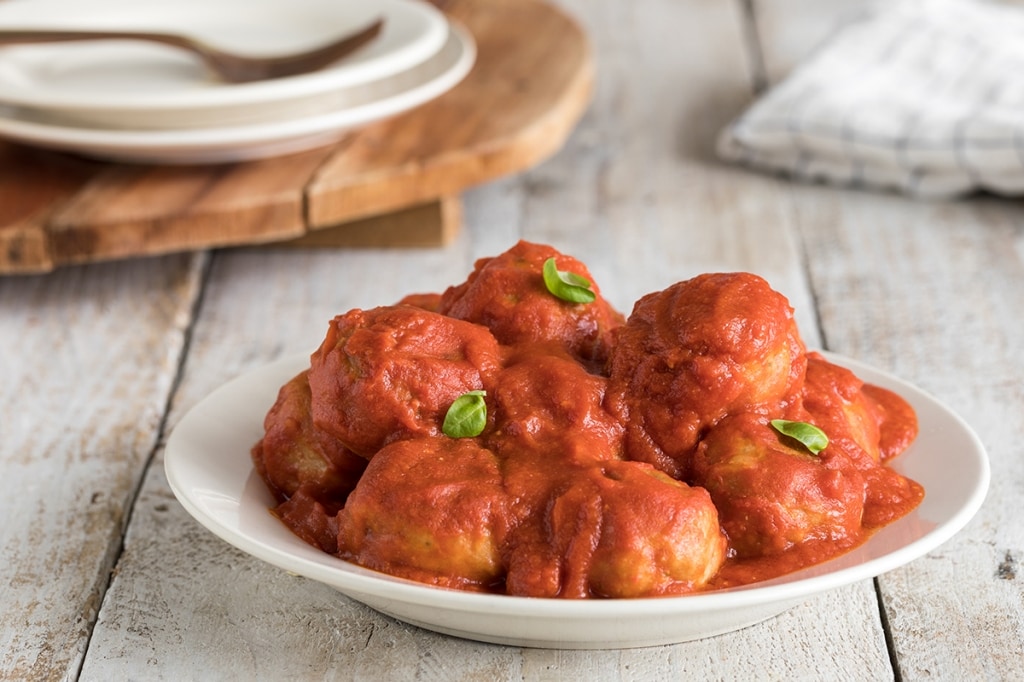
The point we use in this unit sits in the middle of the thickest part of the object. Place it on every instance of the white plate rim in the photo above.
(430, 35)
(361, 583)
(245, 141)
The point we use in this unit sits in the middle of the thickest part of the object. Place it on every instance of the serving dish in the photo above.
(363, 104)
(209, 471)
(108, 81)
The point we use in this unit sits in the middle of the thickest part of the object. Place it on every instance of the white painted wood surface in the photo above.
(107, 578)
(933, 292)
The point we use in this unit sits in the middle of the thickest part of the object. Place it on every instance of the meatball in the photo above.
(392, 373)
(835, 402)
(549, 406)
(548, 423)
(428, 301)
(293, 454)
(867, 425)
(429, 509)
(695, 352)
(309, 472)
(772, 494)
(617, 529)
(507, 294)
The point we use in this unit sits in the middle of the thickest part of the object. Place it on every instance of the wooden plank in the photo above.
(89, 358)
(528, 88)
(932, 293)
(435, 223)
(929, 291)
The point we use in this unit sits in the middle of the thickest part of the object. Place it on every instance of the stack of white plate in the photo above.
(143, 102)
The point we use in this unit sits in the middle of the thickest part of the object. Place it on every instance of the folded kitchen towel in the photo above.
(924, 97)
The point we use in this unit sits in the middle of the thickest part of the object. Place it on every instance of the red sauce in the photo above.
(621, 457)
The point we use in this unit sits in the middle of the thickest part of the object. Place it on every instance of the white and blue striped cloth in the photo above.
(924, 97)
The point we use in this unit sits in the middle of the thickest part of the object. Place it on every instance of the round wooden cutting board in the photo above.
(394, 183)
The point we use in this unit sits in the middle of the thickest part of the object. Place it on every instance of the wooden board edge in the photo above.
(427, 225)
(458, 169)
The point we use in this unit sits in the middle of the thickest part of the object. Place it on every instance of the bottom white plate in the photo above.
(208, 468)
(373, 101)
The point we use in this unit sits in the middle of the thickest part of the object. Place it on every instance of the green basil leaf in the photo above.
(467, 416)
(813, 438)
(567, 286)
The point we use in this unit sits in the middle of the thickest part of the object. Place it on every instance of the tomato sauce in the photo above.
(612, 457)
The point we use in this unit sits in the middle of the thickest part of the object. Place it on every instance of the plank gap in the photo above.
(890, 642)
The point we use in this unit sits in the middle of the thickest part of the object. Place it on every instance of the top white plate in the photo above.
(134, 75)
(335, 114)
(208, 467)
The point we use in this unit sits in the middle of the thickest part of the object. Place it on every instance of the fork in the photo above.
(231, 67)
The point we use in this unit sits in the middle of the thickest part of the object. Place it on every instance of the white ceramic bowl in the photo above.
(209, 470)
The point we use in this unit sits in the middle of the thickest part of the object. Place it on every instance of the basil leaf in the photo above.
(813, 438)
(567, 286)
(467, 416)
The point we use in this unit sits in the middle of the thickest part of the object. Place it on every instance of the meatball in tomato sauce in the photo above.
(294, 454)
(771, 494)
(391, 373)
(432, 510)
(616, 529)
(689, 355)
(548, 406)
(507, 295)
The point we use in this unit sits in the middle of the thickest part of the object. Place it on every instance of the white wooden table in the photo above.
(105, 577)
